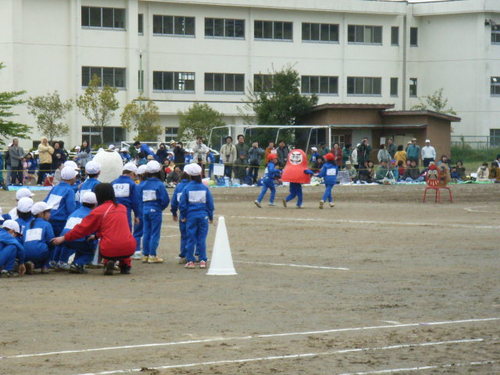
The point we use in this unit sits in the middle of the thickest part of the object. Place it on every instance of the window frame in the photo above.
(273, 25)
(394, 93)
(319, 85)
(266, 82)
(395, 43)
(413, 36)
(365, 82)
(495, 86)
(495, 34)
(177, 79)
(101, 18)
(102, 78)
(413, 83)
(174, 19)
(357, 30)
(88, 132)
(140, 23)
(224, 28)
(320, 27)
(225, 81)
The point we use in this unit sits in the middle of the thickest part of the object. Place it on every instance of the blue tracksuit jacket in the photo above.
(139, 228)
(75, 218)
(154, 200)
(88, 186)
(10, 249)
(176, 196)
(329, 173)
(37, 236)
(126, 194)
(23, 224)
(62, 200)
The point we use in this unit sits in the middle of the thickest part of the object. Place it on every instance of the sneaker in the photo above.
(272, 204)
(30, 268)
(203, 264)
(321, 204)
(181, 260)
(189, 265)
(284, 203)
(145, 259)
(332, 204)
(124, 269)
(299, 206)
(257, 203)
(137, 255)
(109, 268)
(74, 268)
(155, 259)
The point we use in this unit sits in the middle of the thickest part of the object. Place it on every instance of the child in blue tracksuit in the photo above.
(154, 200)
(10, 249)
(296, 191)
(211, 162)
(173, 208)
(37, 237)
(271, 174)
(197, 210)
(126, 192)
(139, 228)
(23, 213)
(329, 174)
(92, 170)
(83, 248)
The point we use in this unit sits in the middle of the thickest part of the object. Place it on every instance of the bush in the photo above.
(468, 154)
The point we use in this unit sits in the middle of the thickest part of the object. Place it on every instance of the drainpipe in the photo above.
(405, 62)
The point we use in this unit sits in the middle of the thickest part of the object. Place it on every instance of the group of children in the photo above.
(76, 218)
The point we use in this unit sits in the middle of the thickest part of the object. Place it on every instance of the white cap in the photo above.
(92, 167)
(25, 204)
(12, 225)
(153, 166)
(193, 169)
(89, 197)
(78, 148)
(24, 192)
(40, 207)
(131, 167)
(72, 164)
(68, 173)
(111, 147)
(124, 149)
(427, 141)
(141, 169)
(314, 148)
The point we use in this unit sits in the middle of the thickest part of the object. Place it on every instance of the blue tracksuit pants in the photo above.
(129, 217)
(265, 186)
(84, 251)
(39, 258)
(197, 231)
(182, 229)
(138, 232)
(57, 227)
(327, 195)
(152, 228)
(8, 258)
(295, 191)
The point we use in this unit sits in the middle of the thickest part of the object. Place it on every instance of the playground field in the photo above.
(381, 283)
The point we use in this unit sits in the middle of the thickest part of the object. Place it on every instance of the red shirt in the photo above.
(110, 223)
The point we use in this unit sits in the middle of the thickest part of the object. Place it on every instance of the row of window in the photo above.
(114, 18)
(495, 34)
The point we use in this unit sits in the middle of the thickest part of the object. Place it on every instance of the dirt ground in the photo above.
(404, 287)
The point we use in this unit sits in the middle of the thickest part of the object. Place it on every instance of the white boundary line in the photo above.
(294, 265)
(288, 356)
(374, 222)
(250, 337)
(475, 210)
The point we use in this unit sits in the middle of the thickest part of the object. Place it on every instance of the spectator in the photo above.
(493, 171)
(86, 147)
(346, 153)
(497, 161)
(383, 172)
(391, 148)
(483, 173)
(366, 172)
(241, 159)
(270, 149)
(401, 168)
(352, 171)
(228, 156)
(174, 177)
(364, 150)
(143, 149)
(354, 157)
(400, 155)
(59, 156)
(282, 152)
(30, 166)
(83, 156)
(318, 164)
(413, 151)
(179, 155)
(458, 172)
(383, 155)
(125, 154)
(161, 153)
(412, 173)
(211, 162)
(16, 154)
(337, 152)
(45, 151)
(428, 153)
(444, 160)
(323, 150)
(255, 154)
(200, 152)
(314, 154)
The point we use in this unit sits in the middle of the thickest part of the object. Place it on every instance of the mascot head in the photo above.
(295, 165)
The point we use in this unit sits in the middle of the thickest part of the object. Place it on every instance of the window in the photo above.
(394, 36)
(173, 81)
(113, 77)
(495, 34)
(495, 86)
(273, 30)
(394, 86)
(364, 34)
(495, 137)
(414, 36)
(364, 86)
(171, 134)
(262, 82)
(140, 24)
(340, 139)
(173, 25)
(319, 85)
(224, 28)
(322, 32)
(111, 134)
(140, 80)
(106, 18)
(224, 82)
(413, 87)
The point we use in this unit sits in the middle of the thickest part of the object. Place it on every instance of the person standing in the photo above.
(200, 151)
(428, 153)
(174, 206)
(228, 156)
(282, 152)
(126, 192)
(346, 153)
(364, 150)
(241, 159)
(391, 147)
(337, 153)
(45, 151)
(179, 155)
(383, 155)
(58, 156)
(16, 154)
(413, 151)
(255, 154)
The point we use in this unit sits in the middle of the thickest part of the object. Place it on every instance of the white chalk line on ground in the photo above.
(250, 337)
(290, 356)
(294, 265)
(377, 222)
(475, 209)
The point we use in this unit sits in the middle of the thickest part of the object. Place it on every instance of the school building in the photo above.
(200, 51)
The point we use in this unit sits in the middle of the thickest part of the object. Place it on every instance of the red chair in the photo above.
(436, 181)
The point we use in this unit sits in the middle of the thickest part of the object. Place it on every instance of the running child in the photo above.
(173, 208)
(154, 200)
(196, 210)
(37, 239)
(270, 175)
(329, 173)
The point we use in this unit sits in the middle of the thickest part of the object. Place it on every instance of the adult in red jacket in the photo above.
(110, 224)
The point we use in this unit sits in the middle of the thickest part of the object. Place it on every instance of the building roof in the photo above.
(351, 106)
(438, 115)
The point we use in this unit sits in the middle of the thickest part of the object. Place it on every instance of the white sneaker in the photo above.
(332, 204)
(257, 203)
(137, 255)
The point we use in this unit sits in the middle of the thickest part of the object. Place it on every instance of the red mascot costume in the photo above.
(295, 168)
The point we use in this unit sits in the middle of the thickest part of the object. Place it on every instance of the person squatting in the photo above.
(77, 223)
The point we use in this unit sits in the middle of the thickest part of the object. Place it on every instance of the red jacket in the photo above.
(110, 223)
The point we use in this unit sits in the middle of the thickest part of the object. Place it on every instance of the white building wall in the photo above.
(44, 48)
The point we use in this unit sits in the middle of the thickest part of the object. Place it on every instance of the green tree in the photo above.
(143, 117)
(49, 111)
(198, 120)
(9, 128)
(98, 104)
(434, 102)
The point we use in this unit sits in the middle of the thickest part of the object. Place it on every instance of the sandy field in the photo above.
(382, 283)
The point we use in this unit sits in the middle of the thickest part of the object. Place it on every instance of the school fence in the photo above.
(476, 141)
